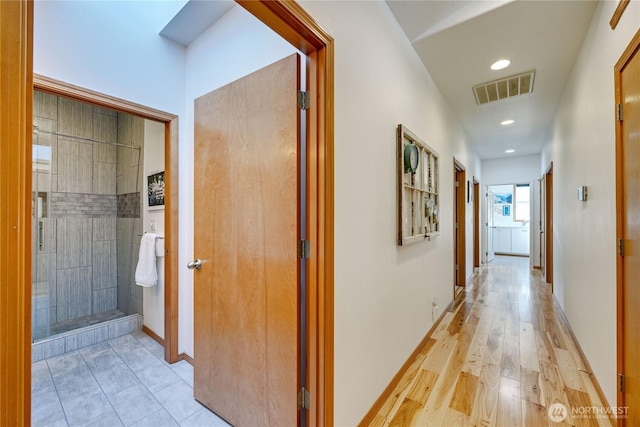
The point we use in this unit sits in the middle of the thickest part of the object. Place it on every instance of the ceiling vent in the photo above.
(507, 87)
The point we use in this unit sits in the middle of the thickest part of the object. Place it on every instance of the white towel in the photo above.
(146, 274)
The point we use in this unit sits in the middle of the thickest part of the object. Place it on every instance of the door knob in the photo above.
(195, 264)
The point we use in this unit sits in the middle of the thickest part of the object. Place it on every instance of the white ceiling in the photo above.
(459, 40)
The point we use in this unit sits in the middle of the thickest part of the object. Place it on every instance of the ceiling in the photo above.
(458, 40)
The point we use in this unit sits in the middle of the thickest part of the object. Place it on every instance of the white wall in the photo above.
(515, 170)
(153, 297)
(583, 153)
(383, 292)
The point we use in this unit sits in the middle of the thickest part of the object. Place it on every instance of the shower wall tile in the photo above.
(106, 111)
(88, 205)
(130, 130)
(129, 205)
(104, 265)
(128, 172)
(42, 264)
(74, 242)
(45, 138)
(104, 229)
(53, 234)
(41, 181)
(75, 166)
(105, 128)
(40, 322)
(45, 125)
(75, 118)
(74, 293)
(124, 289)
(45, 105)
(104, 178)
(105, 300)
(105, 153)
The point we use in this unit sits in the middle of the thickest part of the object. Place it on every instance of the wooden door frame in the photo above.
(476, 223)
(16, 120)
(629, 53)
(548, 225)
(295, 25)
(460, 248)
(56, 87)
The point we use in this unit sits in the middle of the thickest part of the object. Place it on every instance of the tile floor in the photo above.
(120, 382)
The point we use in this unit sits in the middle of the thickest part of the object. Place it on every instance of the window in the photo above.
(522, 199)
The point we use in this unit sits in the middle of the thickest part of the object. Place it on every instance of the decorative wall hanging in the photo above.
(418, 189)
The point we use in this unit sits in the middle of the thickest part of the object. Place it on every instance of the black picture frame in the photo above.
(155, 190)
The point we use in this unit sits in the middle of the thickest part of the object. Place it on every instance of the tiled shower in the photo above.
(87, 182)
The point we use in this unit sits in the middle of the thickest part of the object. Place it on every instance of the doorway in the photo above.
(476, 223)
(627, 96)
(491, 251)
(170, 326)
(459, 223)
(547, 225)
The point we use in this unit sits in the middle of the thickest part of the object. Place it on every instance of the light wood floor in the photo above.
(501, 357)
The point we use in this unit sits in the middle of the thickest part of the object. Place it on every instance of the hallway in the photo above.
(502, 357)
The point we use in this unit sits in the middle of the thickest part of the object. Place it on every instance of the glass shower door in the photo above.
(43, 292)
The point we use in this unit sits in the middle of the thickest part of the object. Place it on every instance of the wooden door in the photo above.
(548, 225)
(246, 228)
(459, 227)
(542, 226)
(628, 186)
(491, 228)
(476, 223)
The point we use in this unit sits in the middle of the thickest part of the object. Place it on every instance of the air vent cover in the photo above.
(507, 87)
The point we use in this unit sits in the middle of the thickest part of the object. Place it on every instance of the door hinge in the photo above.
(304, 399)
(457, 184)
(457, 226)
(621, 247)
(457, 267)
(304, 249)
(304, 99)
(621, 383)
(619, 111)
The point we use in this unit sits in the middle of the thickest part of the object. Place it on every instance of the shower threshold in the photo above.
(92, 333)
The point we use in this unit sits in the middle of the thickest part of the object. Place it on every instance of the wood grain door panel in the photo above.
(630, 153)
(246, 228)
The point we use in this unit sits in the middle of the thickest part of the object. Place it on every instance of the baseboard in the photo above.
(186, 358)
(370, 415)
(153, 335)
(596, 383)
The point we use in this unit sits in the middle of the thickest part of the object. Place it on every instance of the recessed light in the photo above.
(501, 64)
(506, 122)
(509, 151)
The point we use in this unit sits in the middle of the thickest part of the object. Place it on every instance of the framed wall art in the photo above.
(155, 190)
(418, 189)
